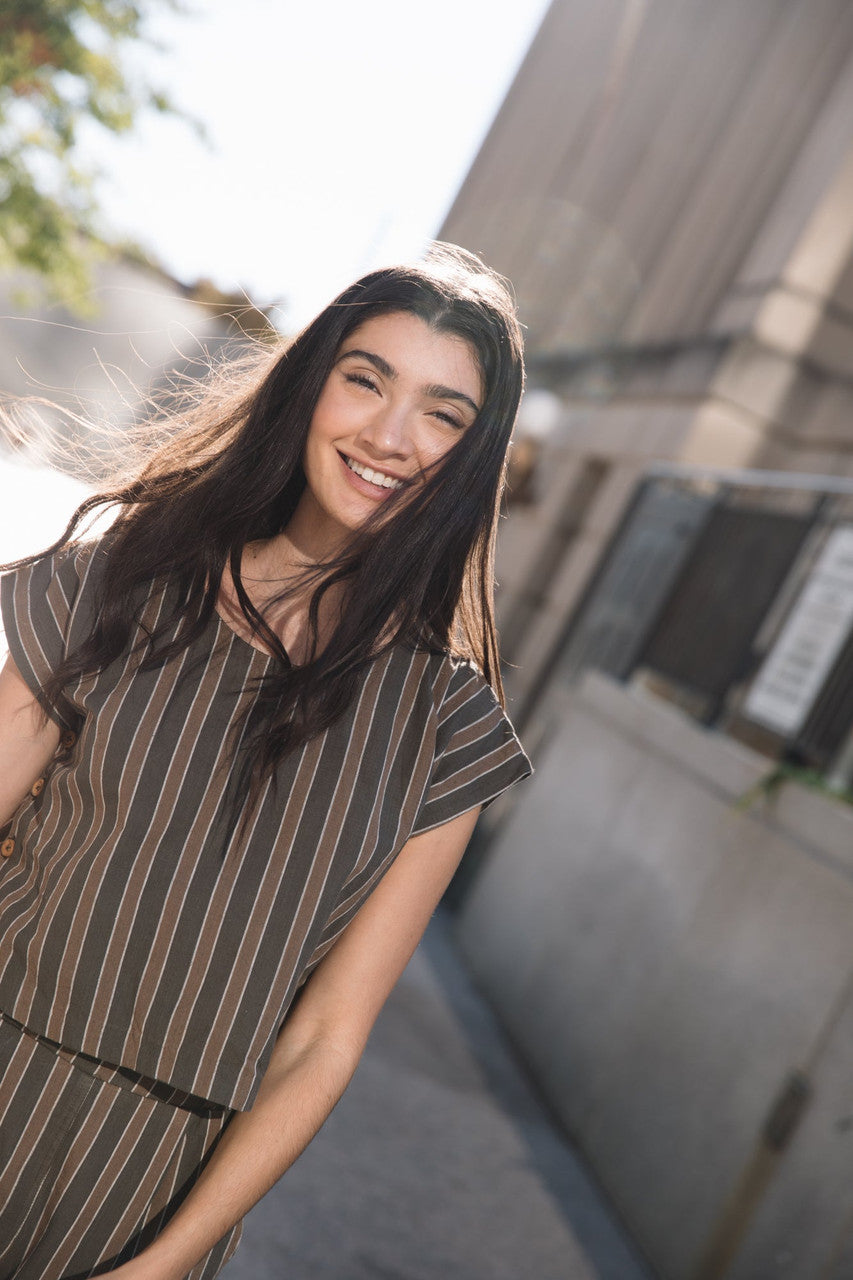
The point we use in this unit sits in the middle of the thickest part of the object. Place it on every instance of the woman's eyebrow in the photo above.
(437, 392)
(387, 370)
(435, 389)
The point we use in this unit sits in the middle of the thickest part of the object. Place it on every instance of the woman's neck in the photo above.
(310, 537)
(268, 569)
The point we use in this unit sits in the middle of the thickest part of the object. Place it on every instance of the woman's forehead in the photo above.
(410, 345)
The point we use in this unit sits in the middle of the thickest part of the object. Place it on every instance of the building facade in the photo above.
(668, 186)
(664, 919)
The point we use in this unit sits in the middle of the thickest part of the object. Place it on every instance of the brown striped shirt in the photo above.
(136, 924)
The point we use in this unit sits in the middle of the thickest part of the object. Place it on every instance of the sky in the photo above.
(337, 137)
(338, 133)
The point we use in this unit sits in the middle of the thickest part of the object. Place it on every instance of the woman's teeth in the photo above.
(375, 477)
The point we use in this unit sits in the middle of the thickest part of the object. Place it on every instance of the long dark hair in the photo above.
(421, 573)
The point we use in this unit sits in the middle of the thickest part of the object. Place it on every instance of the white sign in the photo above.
(808, 644)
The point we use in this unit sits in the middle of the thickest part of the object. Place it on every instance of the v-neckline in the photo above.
(247, 644)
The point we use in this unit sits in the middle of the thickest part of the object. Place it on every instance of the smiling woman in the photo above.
(244, 738)
(398, 396)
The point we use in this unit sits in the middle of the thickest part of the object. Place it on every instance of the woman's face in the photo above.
(399, 396)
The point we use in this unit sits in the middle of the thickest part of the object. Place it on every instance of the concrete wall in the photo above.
(664, 962)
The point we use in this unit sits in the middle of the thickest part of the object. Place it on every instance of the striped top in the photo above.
(135, 924)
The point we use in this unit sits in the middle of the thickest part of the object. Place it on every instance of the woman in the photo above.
(272, 714)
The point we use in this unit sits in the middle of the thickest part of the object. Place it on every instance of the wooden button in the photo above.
(7, 848)
(38, 787)
(68, 738)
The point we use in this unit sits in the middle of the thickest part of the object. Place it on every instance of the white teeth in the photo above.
(375, 477)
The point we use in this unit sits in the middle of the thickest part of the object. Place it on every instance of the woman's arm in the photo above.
(27, 744)
(315, 1054)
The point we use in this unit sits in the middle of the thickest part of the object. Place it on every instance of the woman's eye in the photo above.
(449, 419)
(362, 380)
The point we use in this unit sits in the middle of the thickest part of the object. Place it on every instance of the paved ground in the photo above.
(438, 1163)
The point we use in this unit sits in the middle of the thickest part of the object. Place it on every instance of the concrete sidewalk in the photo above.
(438, 1163)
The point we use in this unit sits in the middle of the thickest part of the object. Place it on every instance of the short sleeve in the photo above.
(37, 605)
(477, 756)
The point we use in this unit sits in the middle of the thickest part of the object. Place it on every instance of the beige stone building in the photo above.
(669, 186)
(664, 924)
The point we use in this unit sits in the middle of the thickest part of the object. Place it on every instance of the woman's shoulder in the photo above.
(477, 752)
(57, 574)
(76, 558)
(451, 676)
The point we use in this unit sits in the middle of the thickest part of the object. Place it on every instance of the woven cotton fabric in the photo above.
(136, 924)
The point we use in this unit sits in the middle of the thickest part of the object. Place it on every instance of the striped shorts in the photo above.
(94, 1160)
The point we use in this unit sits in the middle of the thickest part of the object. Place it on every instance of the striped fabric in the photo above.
(135, 925)
(92, 1165)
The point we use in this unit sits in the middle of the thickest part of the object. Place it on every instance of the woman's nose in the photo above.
(389, 429)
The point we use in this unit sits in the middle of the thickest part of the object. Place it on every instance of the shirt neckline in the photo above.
(222, 625)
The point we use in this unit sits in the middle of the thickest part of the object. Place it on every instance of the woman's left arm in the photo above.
(315, 1055)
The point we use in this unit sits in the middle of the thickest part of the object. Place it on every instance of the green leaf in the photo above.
(61, 60)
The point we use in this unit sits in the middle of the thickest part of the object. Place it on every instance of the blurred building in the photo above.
(668, 186)
(663, 924)
(141, 335)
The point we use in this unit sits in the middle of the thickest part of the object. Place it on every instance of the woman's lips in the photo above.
(367, 487)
